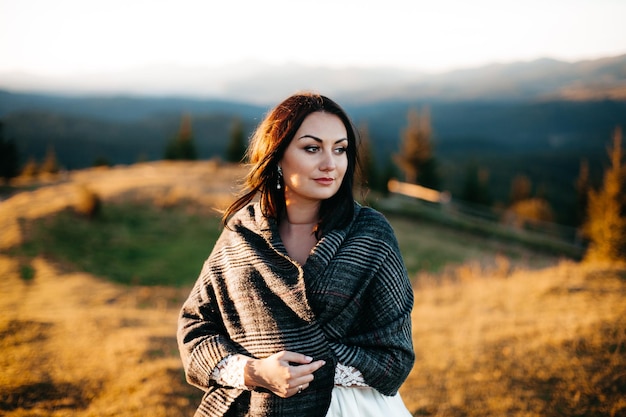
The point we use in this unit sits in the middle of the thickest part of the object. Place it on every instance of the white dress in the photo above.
(351, 396)
(365, 402)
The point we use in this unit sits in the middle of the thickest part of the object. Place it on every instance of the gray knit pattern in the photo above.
(350, 303)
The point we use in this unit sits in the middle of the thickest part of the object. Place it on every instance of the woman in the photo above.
(303, 307)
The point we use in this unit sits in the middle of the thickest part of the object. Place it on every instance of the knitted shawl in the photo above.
(350, 303)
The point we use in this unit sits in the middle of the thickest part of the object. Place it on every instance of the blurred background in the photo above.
(511, 95)
(491, 138)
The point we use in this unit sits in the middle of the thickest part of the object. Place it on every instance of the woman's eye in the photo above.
(315, 148)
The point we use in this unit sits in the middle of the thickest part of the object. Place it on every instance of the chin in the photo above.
(315, 194)
(328, 195)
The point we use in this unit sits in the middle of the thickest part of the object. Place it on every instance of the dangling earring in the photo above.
(280, 177)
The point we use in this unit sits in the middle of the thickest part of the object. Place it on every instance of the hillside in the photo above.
(544, 140)
(492, 338)
(202, 185)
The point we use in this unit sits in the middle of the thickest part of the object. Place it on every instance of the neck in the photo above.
(300, 224)
(302, 215)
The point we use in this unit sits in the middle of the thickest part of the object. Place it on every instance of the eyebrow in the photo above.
(315, 138)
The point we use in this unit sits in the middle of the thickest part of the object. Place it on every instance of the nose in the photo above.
(328, 162)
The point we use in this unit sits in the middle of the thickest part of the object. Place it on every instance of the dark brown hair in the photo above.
(266, 149)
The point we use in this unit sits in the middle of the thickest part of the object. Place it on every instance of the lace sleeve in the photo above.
(229, 372)
(348, 376)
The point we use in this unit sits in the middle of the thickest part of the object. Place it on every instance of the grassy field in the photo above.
(499, 329)
(136, 244)
(140, 244)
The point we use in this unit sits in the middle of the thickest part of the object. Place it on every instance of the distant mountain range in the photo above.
(258, 83)
(539, 118)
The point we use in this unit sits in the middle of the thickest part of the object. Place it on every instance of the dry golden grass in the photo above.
(72, 345)
(503, 342)
(543, 343)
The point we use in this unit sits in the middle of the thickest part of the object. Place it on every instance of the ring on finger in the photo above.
(299, 389)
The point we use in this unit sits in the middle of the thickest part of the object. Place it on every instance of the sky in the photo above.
(65, 37)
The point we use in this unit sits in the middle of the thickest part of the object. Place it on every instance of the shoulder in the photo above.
(372, 223)
(371, 218)
(244, 215)
(248, 226)
(249, 218)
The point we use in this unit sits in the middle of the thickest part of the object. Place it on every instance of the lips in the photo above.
(324, 181)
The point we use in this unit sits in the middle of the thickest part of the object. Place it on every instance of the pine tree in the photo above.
(530, 210)
(524, 207)
(9, 158)
(30, 169)
(101, 161)
(50, 164)
(236, 150)
(415, 158)
(521, 189)
(476, 187)
(182, 147)
(389, 172)
(606, 214)
(582, 192)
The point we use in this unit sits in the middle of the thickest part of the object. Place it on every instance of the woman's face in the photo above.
(315, 161)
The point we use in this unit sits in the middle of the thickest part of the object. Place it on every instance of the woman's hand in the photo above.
(284, 373)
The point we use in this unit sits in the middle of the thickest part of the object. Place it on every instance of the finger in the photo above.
(308, 368)
(294, 357)
(298, 390)
(303, 374)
